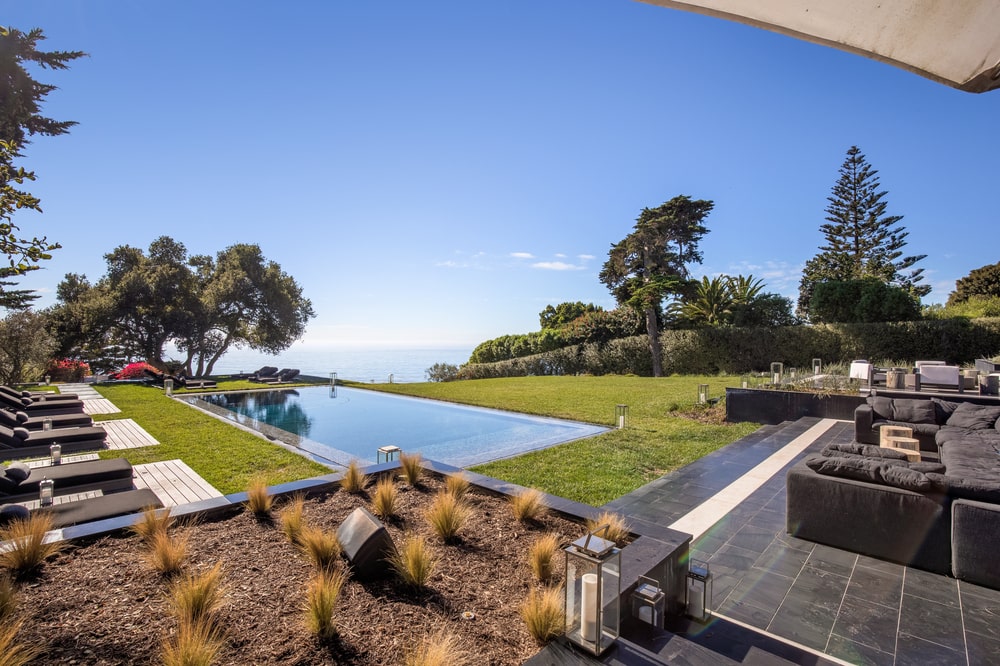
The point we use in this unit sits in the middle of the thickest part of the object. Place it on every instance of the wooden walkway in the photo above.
(93, 402)
(126, 434)
(173, 482)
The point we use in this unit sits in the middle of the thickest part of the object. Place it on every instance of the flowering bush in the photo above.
(133, 371)
(67, 370)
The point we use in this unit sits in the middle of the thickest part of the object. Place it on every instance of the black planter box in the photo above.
(771, 407)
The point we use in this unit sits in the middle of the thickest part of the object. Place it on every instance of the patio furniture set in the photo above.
(936, 375)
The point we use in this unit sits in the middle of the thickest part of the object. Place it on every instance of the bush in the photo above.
(442, 372)
(384, 500)
(258, 500)
(291, 518)
(447, 515)
(133, 371)
(354, 480)
(28, 548)
(541, 554)
(67, 370)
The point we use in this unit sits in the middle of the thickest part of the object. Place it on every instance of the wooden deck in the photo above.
(76, 457)
(173, 482)
(62, 499)
(126, 434)
(93, 402)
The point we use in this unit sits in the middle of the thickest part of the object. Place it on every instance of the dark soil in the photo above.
(102, 603)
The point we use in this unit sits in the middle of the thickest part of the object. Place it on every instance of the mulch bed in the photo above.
(102, 603)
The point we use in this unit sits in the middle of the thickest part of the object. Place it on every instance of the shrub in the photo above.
(195, 644)
(28, 548)
(441, 648)
(528, 505)
(541, 554)
(542, 611)
(322, 593)
(153, 522)
(354, 480)
(167, 553)
(291, 518)
(441, 372)
(410, 465)
(447, 515)
(133, 371)
(320, 546)
(414, 561)
(12, 653)
(8, 599)
(67, 370)
(384, 500)
(196, 597)
(618, 530)
(457, 485)
(258, 501)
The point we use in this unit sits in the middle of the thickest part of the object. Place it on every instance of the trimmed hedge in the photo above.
(738, 350)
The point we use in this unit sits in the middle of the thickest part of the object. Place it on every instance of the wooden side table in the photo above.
(908, 445)
(886, 431)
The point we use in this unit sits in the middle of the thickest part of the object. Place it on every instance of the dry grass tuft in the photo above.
(441, 648)
(384, 500)
(322, 593)
(447, 515)
(291, 518)
(618, 530)
(411, 467)
(320, 546)
(354, 480)
(8, 599)
(457, 485)
(541, 554)
(12, 653)
(196, 597)
(167, 553)
(258, 500)
(28, 548)
(152, 522)
(414, 561)
(542, 611)
(195, 644)
(528, 505)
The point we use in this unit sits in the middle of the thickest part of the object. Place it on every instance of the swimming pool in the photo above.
(351, 424)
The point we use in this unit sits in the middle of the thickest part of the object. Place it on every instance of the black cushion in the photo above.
(943, 408)
(21, 433)
(12, 512)
(8, 486)
(17, 471)
(25, 394)
(21, 416)
(906, 477)
(974, 417)
(881, 407)
(927, 467)
(859, 469)
(967, 488)
(865, 450)
(913, 411)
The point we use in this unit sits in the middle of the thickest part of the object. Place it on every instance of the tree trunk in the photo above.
(653, 332)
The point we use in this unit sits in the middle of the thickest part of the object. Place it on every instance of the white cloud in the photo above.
(556, 266)
(560, 255)
(585, 257)
(522, 255)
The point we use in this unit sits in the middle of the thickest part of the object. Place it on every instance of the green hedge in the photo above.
(738, 350)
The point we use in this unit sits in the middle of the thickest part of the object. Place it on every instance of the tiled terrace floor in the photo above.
(833, 602)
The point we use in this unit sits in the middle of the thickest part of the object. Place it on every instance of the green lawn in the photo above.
(598, 469)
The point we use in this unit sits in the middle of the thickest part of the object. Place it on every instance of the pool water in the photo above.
(351, 424)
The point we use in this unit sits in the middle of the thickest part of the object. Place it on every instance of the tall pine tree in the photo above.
(861, 240)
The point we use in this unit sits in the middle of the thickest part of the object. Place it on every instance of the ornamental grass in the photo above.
(354, 480)
(414, 562)
(542, 612)
(322, 593)
(528, 505)
(541, 554)
(28, 546)
(447, 515)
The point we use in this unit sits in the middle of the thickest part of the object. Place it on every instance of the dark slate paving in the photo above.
(775, 586)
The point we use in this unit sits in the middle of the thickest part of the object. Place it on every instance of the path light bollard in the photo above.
(702, 394)
(777, 369)
(593, 588)
(621, 416)
(817, 366)
(699, 590)
(168, 387)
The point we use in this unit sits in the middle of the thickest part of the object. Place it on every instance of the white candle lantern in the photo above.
(55, 451)
(168, 386)
(699, 590)
(817, 366)
(593, 588)
(777, 369)
(649, 602)
(46, 490)
(46, 424)
(621, 416)
(745, 381)
(702, 394)
(387, 453)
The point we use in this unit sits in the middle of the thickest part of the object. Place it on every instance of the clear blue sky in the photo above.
(438, 172)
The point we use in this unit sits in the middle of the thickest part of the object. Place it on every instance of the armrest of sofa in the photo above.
(864, 416)
(974, 528)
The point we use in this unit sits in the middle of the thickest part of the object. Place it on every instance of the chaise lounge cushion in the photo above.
(974, 417)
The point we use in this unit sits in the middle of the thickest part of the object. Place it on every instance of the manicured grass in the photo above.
(598, 469)
(225, 456)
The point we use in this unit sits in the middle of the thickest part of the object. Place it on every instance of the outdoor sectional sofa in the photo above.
(940, 516)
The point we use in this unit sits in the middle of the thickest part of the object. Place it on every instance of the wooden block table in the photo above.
(908, 445)
(885, 432)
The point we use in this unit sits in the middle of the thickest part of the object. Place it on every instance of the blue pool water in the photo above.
(348, 424)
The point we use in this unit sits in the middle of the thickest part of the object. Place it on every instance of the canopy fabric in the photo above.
(955, 42)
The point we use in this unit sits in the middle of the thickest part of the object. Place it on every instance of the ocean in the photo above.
(355, 364)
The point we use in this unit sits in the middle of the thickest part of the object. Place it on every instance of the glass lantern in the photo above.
(702, 394)
(817, 366)
(745, 381)
(649, 602)
(55, 451)
(621, 416)
(46, 490)
(593, 588)
(777, 369)
(168, 386)
(699, 590)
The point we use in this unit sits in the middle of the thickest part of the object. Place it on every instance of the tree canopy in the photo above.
(650, 264)
(20, 117)
(204, 305)
(983, 281)
(861, 240)
(563, 314)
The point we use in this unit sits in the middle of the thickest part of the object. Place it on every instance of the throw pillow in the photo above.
(8, 486)
(974, 417)
(21, 433)
(943, 409)
(11, 512)
(882, 407)
(872, 451)
(17, 471)
(848, 467)
(913, 411)
(906, 478)
(21, 416)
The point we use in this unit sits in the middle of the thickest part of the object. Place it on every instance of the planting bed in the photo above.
(101, 603)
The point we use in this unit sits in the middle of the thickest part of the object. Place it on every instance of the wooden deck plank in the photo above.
(77, 457)
(62, 499)
(126, 434)
(173, 482)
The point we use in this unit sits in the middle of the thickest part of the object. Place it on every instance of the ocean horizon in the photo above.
(372, 364)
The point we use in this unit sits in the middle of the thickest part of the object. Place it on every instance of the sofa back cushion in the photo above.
(974, 417)
(881, 408)
(873, 470)
(943, 409)
(913, 411)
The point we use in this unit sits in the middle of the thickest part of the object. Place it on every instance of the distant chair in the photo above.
(265, 374)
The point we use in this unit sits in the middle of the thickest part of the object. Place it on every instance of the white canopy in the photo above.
(956, 42)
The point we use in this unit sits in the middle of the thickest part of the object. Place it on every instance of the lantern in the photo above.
(649, 602)
(621, 416)
(699, 590)
(745, 381)
(593, 587)
(776, 371)
(387, 453)
(46, 424)
(55, 451)
(168, 386)
(817, 366)
(46, 489)
(702, 394)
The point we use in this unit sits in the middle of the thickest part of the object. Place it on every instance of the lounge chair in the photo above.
(265, 374)
(196, 383)
(23, 443)
(21, 419)
(19, 483)
(37, 395)
(87, 510)
(41, 407)
(290, 375)
(276, 378)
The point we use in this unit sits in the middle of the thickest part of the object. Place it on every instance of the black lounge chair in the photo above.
(41, 407)
(265, 374)
(21, 419)
(37, 395)
(87, 510)
(196, 383)
(276, 378)
(24, 443)
(19, 483)
(290, 375)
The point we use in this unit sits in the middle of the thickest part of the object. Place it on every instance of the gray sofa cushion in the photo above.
(895, 473)
(881, 407)
(974, 417)
(966, 488)
(914, 411)
(865, 450)
(943, 409)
